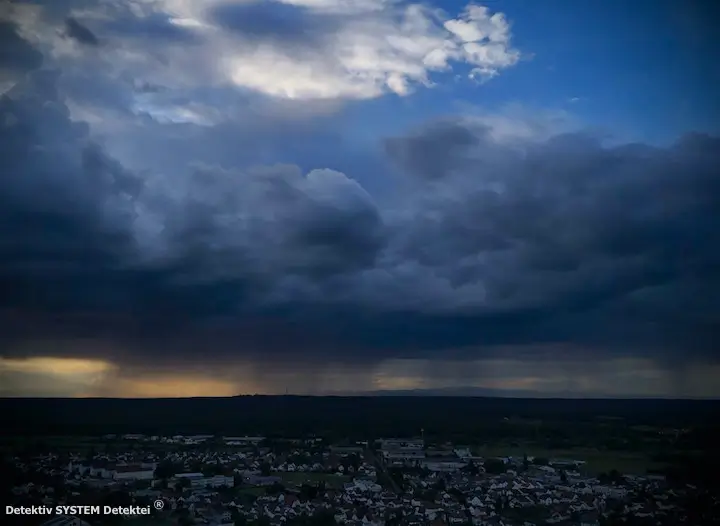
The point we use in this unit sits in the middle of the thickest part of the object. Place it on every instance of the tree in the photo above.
(238, 518)
(323, 518)
(563, 477)
(459, 495)
(165, 470)
(396, 477)
(471, 469)
(495, 467)
(275, 489)
(615, 476)
(265, 469)
(430, 495)
(355, 461)
(308, 492)
(499, 505)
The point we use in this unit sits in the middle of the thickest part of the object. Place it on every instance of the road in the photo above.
(380, 466)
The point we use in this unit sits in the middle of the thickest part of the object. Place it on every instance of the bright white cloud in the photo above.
(371, 47)
(390, 50)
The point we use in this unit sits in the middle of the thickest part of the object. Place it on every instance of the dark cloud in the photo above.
(433, 151)
(60, 198)
(16, 54)
(79, 32)
(564, 240)
(151, 27)
(274, 21)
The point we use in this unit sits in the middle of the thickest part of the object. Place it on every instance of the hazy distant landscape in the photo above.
(628, 435)
(649, 445)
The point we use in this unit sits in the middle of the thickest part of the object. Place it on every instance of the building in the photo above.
(444, 464)
(440, 453)
(198, 480)
(401, 443)
(192, 477)
(133, 472)
(346, 450)
(404, 454)
(219, 481)
(243, 441)
(361, 485)
(564, 463)
(103, 471)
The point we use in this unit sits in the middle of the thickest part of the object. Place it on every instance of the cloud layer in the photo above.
(286, 48)
(499, 242)
(492, 237)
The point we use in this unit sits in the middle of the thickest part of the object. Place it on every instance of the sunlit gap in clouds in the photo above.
(611, 377)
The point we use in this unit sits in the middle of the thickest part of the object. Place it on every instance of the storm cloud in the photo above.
(559, 240)
(485, 242)
(79, 32)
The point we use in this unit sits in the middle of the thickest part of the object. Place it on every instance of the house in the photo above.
(132, 472)
(219, 481)
(190, 476)
(198, 480)
(398, 443)
(102, 471)
(404, 454)
(346, 450)
(244, 441)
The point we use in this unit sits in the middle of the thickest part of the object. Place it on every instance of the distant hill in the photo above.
(342, 415)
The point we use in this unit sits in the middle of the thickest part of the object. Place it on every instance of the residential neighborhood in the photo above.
(233, 481)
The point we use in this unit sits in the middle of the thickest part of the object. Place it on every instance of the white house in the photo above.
(198, 480)
(104, 472)
(404, 454)
(444, 465)
(220, 481)
(237, 441)
(129, 473)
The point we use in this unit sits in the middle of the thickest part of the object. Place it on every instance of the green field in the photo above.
(596, 461)
(297, 478)
(256, 491)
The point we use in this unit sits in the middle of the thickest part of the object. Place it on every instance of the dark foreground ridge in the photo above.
(337, 416)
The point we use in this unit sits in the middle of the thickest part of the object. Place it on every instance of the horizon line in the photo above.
(378, 395)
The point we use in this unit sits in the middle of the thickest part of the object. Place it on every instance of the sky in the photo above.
(225, 197)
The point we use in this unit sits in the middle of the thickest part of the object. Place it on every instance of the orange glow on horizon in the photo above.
(47, 376)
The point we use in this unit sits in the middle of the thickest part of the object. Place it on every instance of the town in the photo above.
(253, 480)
